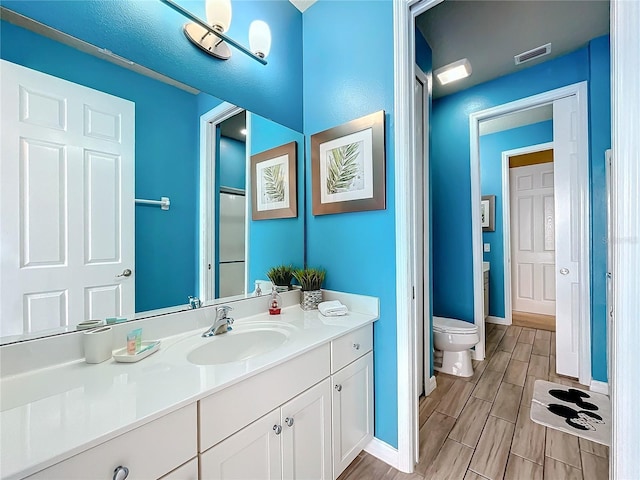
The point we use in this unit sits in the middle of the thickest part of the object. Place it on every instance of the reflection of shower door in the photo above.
(67, 203)
(533, 239)
(231, 266)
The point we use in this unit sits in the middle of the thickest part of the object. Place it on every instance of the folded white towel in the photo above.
(332, 308)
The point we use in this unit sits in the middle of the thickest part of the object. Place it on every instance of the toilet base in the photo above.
(455, 363)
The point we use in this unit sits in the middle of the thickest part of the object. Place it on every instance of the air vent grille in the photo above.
(533, 54)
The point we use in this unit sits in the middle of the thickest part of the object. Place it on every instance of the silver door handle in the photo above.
(277, 429)
(120, 473)
(125, 273)
(289, 421)
(564, 271)
(338, 387)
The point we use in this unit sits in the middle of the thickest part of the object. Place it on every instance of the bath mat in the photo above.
(571, 410)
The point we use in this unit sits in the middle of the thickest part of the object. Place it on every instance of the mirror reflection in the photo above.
(82, 139)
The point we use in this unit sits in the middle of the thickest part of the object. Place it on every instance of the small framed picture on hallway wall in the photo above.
(488, 213)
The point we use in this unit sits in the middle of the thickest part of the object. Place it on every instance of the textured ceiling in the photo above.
(490, 33)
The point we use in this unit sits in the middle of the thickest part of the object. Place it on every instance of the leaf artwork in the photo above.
(274, 183)
(342, 167)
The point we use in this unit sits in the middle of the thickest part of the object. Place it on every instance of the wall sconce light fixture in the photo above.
(210, 36)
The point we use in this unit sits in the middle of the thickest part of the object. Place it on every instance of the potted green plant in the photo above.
(281, 277)
(310, 279)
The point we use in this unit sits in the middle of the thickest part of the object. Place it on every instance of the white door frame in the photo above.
(625, 62)
(506, 219)
(207, 244)
(625, 328)
(579, 90)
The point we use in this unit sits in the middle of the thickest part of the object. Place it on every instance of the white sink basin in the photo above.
(238, 345)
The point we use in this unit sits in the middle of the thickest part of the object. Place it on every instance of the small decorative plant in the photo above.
(310, 278)
(281, 275)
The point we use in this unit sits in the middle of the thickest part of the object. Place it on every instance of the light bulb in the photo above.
(218, 14)
(260, 38)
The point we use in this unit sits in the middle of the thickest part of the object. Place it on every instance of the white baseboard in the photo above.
(497, 320)
(431, 386)
(599, 387)
(383, 451)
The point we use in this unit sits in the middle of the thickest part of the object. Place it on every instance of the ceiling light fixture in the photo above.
(243, 131)
(454, 71)
(210, 36)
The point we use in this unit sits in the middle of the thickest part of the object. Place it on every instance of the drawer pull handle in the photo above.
(120, 473)
(338, 387)
(356, 346)
(277, 429)
(289, 421)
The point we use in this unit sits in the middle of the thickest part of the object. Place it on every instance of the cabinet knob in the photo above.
(289, 421)
(120, 473)
(356, 346)
(338, 387)
(277, 429)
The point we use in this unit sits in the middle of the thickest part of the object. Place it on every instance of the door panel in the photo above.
(533, 248)
(67, 203)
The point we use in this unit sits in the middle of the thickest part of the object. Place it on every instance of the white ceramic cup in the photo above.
(97, 345)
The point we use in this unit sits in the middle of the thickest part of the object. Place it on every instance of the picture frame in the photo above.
(348, 166)
(273, 183)
(488, 213)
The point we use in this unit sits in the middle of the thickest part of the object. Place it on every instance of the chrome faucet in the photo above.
(194, 302)
(222, 323)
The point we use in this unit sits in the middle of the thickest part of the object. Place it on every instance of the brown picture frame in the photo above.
(335, 187)
(274, 171)
(488, 213)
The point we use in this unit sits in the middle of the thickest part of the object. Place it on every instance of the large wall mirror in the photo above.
(86, 142)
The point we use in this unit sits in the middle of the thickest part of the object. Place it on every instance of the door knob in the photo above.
(277, 429)
(125, 273)
(564, 271)
(289, 421)
(338, 387)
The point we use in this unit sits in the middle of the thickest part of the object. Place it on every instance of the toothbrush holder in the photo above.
(97, 345)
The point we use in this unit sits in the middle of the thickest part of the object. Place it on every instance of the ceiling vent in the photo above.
(533, 54)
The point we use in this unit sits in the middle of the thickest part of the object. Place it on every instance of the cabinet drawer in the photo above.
(231, 409)
(149, 451)
(350, 347)
(188, 471)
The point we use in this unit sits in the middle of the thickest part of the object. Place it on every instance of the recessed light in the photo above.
(243, 131)
(453, 71)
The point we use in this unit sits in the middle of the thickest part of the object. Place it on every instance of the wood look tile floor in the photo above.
(479, 428)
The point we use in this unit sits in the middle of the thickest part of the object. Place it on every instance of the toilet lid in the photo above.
(449, 325)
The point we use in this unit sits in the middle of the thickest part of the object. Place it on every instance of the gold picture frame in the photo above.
(273, 183)
(348, 166)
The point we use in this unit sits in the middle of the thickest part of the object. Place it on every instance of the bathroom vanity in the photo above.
(301, 409)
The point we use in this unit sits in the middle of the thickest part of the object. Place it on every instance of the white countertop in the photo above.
(54, 413)
(485, 266)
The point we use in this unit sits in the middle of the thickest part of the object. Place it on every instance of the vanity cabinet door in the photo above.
(352, 413)
(254, 452)
(306, 435)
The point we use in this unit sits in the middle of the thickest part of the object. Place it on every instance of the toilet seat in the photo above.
(449, 325)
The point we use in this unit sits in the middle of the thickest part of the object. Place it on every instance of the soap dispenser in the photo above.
(275, 303)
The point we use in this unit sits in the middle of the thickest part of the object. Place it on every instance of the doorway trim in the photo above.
(506, 220)
(207, 243)
(579, 90)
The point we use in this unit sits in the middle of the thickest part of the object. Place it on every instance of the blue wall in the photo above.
(166, 160)
(150, 34)
(453, 284)
(348, 73)
(232, 166)
(279, 241)
(491, 148)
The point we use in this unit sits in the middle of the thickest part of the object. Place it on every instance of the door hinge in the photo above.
(209, 266)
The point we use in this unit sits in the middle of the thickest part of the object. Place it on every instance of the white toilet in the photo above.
(452, 340)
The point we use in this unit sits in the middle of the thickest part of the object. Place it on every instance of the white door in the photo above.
(66, 203)
(306, 435)
(352, 414)
(255, 452)
(533, 239)
(420, 238)
(568, 235)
